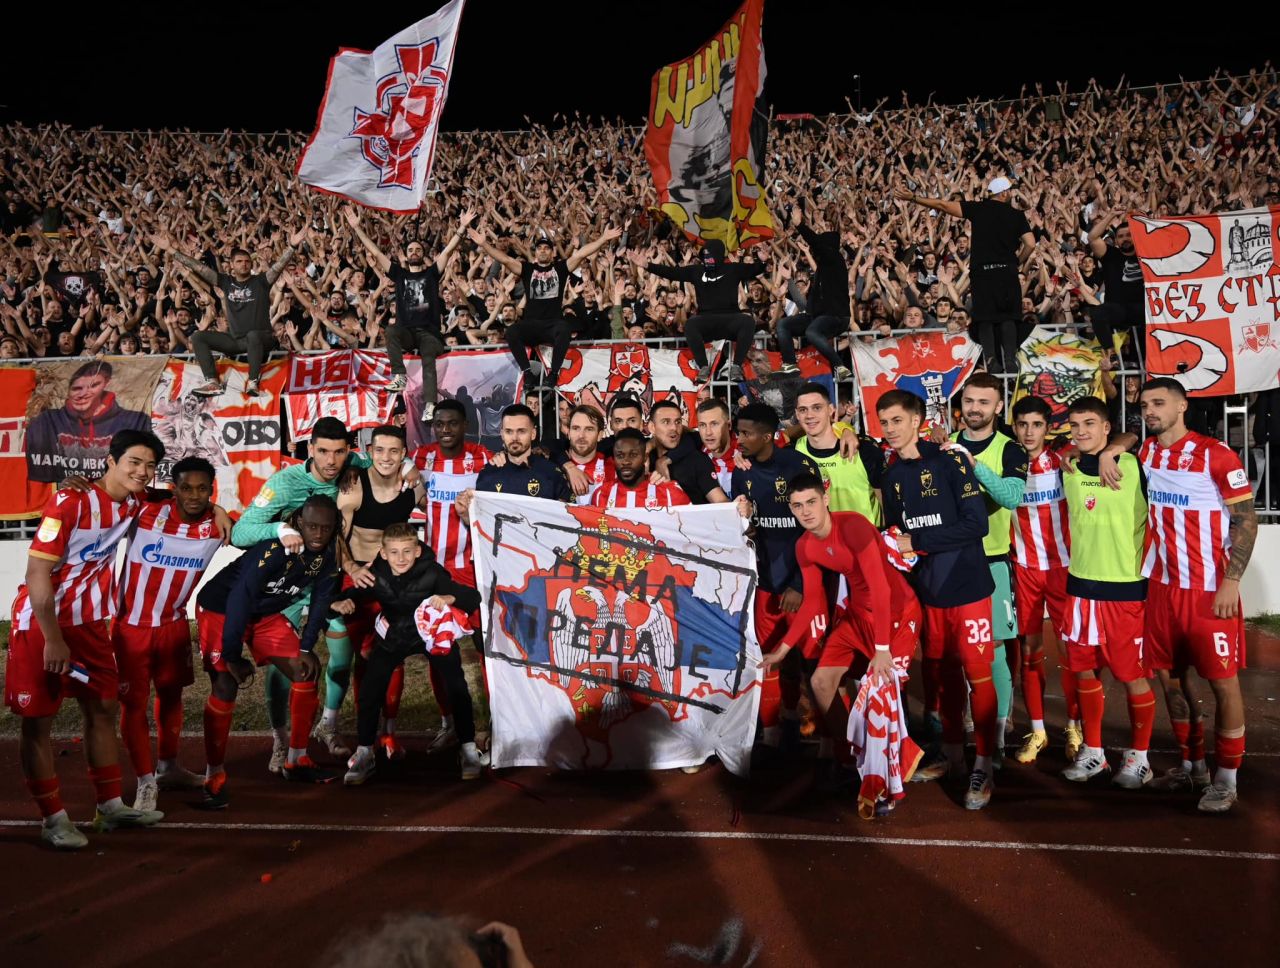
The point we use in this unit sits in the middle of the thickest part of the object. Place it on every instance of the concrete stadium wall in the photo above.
(1260, 588)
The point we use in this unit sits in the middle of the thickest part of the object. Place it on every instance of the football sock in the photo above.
(168, 713)
(136, 733)
(277, 688)
(337, 674)
(437, 686)
(1195, 741)
(1142, 715)
(395, 692)
(982, 702)
(303, 700)
(1092, 702)
(106, 785)
(1070, 692)
(47, 796)
(1182, 733)
(1002, 679)
(217, 727)
(1033, 689)
(770, 699)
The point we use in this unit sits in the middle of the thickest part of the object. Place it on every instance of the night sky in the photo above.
(261, 66)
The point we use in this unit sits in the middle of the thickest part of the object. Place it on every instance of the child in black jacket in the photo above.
(407, 577)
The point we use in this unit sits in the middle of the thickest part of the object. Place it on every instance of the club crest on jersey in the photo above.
(205, 530)
(1090, 504)
(1185, 461)
(780, 485)
(534, 488)
(123, 688)
(926, 478)
(24, 700)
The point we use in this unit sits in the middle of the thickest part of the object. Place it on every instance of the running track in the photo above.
(624, 869)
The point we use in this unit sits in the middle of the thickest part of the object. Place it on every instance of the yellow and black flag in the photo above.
(705, 138)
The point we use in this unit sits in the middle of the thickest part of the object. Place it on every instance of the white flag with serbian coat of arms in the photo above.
(375, 136)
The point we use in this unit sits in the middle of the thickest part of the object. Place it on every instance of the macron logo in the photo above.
(1171, 498)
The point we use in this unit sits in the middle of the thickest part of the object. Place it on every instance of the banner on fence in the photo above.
(594, 375)
(1212, 299)
(78, 405)
(347, 384)
(20, 497)
(238, 434)
(764, 384)
(931, 365)
(1059, 368)
(484, 381)
(620, 639)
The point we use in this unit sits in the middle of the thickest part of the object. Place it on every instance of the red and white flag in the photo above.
(1212, 299)
(375, 135)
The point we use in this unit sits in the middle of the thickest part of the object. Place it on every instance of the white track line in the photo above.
(339, 828)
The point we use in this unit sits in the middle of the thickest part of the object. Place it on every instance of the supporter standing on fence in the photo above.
(246, 301)
(1002, 240)
(417, 285)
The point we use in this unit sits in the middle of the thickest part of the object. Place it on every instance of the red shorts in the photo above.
(270, 637)
(359, 623)
(1105, 635)
(963, 631)
(1034, 591)
(771, 621)
(159, 654)
(1181, 630)
(853, 635)
(33, 693)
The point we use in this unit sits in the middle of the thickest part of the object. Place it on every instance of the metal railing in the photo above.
(1228, 419)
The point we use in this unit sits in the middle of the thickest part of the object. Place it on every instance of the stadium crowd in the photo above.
(91, 204)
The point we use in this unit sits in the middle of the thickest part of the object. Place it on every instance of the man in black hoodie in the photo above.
(716, 282)
(826, 314)
(406, 578)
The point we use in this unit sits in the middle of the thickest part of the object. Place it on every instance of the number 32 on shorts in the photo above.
(979, 630)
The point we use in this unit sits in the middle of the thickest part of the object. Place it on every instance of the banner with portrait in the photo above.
(78, 405)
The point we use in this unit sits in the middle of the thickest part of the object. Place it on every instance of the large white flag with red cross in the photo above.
(375, 135)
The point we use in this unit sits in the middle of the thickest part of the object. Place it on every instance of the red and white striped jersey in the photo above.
(615, 494)
(166, 558)
(1189, 486)
(445, 478)
(1041, 537)
(80, 531)
(599, 471)
(724, 463)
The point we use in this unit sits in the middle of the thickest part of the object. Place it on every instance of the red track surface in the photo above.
(1149, 881)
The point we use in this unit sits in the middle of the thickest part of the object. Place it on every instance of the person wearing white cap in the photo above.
(1002, 239)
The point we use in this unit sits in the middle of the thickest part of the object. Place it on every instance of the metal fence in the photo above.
(1229, 419)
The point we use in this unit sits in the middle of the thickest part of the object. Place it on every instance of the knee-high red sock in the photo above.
(168, 721)
(1228, 751)
(1182, 733)
(136, 736)
(106, 781)
(770, 699)
(217, 727)
(303, 700)
(983, 705)
(1033, 686)
(931, 675)
(1071, 692)
(438, 687)
(1092, 701)
(1195, 741)
(1142, 719)
(46, 794)
(952, 697)
(395, 692)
